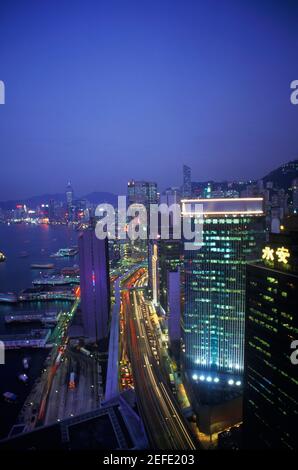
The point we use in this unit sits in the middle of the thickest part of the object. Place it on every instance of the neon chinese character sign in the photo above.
(282, 254)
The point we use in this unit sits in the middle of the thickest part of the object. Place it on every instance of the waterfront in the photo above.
(39, 242)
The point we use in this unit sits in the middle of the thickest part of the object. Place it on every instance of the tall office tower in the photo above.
(145, 193)
(69, 199)
(141, 192)
(270, 376)
(214, 288)
(95, 285)
(186, 189)
(174, 311)
(169, 260)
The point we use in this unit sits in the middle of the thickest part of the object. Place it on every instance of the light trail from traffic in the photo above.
(166, 427)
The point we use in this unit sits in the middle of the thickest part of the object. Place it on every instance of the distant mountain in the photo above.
(32, 201)
(94, 198)
(283, 176)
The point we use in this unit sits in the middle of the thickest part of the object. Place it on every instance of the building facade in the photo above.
(94, 283)
(174, 311)
(169, 260)
(271, 378)
(141, 192)
(213, 318)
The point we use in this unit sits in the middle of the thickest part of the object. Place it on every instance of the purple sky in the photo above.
(103, 91)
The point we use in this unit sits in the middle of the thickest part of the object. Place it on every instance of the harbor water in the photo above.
(24, 245)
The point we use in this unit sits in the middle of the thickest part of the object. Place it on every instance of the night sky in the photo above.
(99, 92)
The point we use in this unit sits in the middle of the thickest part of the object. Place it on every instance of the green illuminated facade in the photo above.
(213, 320)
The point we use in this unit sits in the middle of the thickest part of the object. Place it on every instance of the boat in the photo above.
(23, 378)
(8, 298)
(42, 266)
(10, 397)
(70, 270)
(47, 293)
(65, 252)
(2, 257)
(25, 361)
(55, 280)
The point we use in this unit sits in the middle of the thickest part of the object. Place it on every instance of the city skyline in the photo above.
(76, 194)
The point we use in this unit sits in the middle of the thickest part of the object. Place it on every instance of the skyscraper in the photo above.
(214, 288)
(94, 282)
(69, 199)
(174, 311)
(145, 193)
(186, 189)
(270, 377)
(169, 260)
(141, 192)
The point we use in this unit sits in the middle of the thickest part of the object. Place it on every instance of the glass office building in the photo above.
(271, 372)
(95, 284)
(213, 318)
(141, 192)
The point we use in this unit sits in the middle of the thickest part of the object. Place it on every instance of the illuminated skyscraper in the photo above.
(69, 199)
(141, 192)
(214, 288)
(94, 282)
(270, 376)
(145, 193)
(169, 260)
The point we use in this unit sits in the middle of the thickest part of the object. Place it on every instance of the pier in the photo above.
(34, 339)
(46, 293)
(50, 318)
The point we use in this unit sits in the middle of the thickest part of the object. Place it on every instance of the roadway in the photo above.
(63, 401)
(58, 340)
(166, 427)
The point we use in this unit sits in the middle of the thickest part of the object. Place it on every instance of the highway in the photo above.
(59, 341)
(64, 402)
(166, 427)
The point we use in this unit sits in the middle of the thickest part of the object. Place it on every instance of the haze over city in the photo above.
(105, 91)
